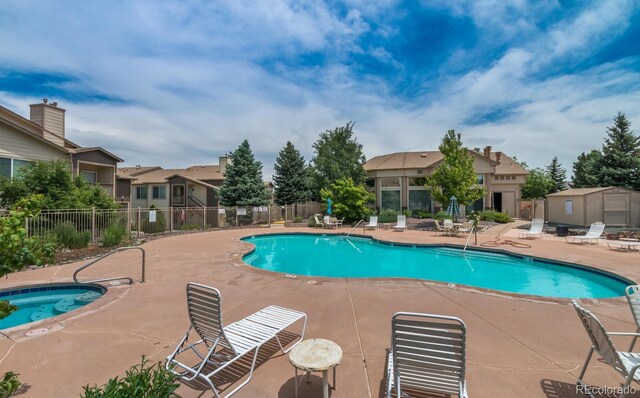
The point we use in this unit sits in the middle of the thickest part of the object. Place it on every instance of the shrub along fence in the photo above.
(149, 221)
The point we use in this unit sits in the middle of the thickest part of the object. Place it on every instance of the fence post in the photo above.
(139, 219)
(171, 219)
(269, 214)
(204, 217)
(93, 225)
(236, 216)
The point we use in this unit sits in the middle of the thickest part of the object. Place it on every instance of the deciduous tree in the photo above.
(337, 155)
(349, 200)
(455, 176)
(537, 185)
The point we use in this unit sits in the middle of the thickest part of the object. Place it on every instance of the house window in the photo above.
(19, 165)
(159, 193)
(390, 182)
(480, 179)
(568, 207)
(390, 200)
(89, 176)
(5, 167)
(141, 192)
(476, 206)
(419, 199)
(417, 181)
(370, 182)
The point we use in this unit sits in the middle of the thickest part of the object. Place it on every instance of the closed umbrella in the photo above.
(453, 210)
(329, 206)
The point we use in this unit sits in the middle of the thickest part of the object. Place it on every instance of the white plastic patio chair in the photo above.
(465, 228)
(327, 223)
(625, 363)
(595, 232)
(318, 223)
(447, 225)
(373, 223)
(427, 355)
(535, 231)
(220, 346)
(633, 298)
(401, 224)
(439, 229)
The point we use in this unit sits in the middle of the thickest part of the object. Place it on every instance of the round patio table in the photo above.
(316, 355)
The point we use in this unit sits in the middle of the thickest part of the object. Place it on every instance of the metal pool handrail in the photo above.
(129, 279)
(352, 229)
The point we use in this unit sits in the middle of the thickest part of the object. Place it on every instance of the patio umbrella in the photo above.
(329, 206)
(453, 210)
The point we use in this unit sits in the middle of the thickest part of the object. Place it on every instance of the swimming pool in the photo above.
(41, 302)
(354, 257)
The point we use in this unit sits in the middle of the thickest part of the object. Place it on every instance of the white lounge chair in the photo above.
(439, 229)
(318, 223)
(593, 234)
(625, 363)
(427, 355)
(633, 298)
(465, 228)
(339, 222)
(401, 224)
(373, 223)
(626, 245)
(220, 346)
(535, 231)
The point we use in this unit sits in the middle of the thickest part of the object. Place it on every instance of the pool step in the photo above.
(40, 314)
(65, 305)
(87, 297)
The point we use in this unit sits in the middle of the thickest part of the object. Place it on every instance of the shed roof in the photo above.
(581, 191)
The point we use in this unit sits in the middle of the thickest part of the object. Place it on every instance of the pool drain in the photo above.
(36, 332)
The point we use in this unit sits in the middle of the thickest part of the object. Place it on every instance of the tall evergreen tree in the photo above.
(243, 185)
(620, 164)
(337, 155)
(558, 175)
(455, 176)
(290, 178)
(585, 170)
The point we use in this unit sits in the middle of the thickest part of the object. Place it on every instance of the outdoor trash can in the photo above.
(562, 230)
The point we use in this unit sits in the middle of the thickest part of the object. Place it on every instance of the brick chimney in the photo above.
(487, 151)
(498, 155)
(49, 116)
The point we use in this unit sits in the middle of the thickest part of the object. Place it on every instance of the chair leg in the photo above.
(584, 369)
(633, 342)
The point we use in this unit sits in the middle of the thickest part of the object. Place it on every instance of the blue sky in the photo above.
(176, 83)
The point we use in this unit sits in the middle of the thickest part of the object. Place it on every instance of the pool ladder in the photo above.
(126, 278)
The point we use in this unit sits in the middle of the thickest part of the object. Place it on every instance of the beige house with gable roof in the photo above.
(398, 180)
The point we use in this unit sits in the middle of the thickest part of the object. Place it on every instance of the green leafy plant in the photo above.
(297, 219)
(114, 234)
(422, 214)
(495, 216)
(187, 227)
(141, 381)
(68, 237)
(9, 384)
(441, 215)
(6, 308)
(350, 201)
(388, 215)
(154, 227)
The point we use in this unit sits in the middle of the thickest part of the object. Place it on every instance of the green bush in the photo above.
(114, 234)
(187, 227)
(67, 236)
(441, 215)
(6, 308)
(154, 227)
(388, 215)
(350, 201)
(297, 219)
(422, 214)
(17, 249)
(9, 384)
(141, 381)
(407, 213)
(491, 215)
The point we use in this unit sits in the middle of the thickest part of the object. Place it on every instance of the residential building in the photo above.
(398, 180)
(42, 138)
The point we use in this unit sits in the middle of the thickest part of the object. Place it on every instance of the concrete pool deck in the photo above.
(517, 346)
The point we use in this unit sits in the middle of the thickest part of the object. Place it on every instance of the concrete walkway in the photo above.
(517, 346)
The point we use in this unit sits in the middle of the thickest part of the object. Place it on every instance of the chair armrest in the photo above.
(623, 334)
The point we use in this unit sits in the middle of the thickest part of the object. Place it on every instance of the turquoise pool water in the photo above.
(42, 302)
(337, 256)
